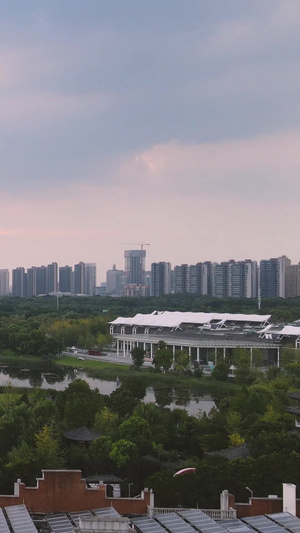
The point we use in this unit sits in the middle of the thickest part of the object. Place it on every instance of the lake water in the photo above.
(59, 378)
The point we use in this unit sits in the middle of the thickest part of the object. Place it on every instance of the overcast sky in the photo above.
(169, 122)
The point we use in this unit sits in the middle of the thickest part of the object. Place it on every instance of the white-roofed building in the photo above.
(290, 333)
(198, 333)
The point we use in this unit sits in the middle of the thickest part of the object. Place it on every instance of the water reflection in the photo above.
(48, 376)
(182, 397)
(163, 395)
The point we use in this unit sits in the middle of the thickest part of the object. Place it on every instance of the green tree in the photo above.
(22, 463)
(182, 362)
(99, 460)
(101, 447)
(49, 454)
(136, 385)
(163, 357)
(79, 404)
(122, 402)
(138, 431)
(106, 422)
(293, 369)
(221, 370)
(122, 452)
(244, 374)
(289, 355)
(138, 356)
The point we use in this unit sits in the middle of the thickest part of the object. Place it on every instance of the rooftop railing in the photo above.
(216, 514)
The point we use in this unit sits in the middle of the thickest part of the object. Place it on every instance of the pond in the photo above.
(58, 378)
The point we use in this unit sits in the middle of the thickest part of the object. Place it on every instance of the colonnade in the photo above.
(125, 346)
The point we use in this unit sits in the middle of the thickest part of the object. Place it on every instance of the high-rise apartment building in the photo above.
(206, 278)
(52, 278)
(65, 278)
(79, 278)
(241, 279)
(268, 278)
(18, 282)
(114, 281)
(283, 263)
(31, 288)
(41, 280)
(219, 275)
(160, 279)
(4, 282)
(181, 278)
(292, 281)
(193, 279)
(272, 277)
(250, 289)
(235, 279)
(134, 266)
(90, 279)
(199, 278)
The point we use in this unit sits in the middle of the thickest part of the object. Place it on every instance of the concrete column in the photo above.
(224, 500)
(278, 356)
(173, 353)
(224, 353)
(144, 346)
(190, 353)
(116, 490)
(289, 498)
(251, 357)
(151, 351)
(124, 348)
(198, 354)
(224, 503)
(215, 356)
(151, 503)
(118, 346)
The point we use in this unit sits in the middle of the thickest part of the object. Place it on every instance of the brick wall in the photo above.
(66, 491)
(259, 506)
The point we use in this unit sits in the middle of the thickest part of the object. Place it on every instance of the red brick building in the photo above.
(66, 491)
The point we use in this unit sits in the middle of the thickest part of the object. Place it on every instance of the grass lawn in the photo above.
(19, 359)
(110, 371)
(90, 363)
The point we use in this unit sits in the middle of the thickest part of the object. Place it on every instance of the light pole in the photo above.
(251, 491)
(129, 485)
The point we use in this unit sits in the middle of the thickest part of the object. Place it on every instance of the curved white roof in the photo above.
(173, 319)
(290, 330)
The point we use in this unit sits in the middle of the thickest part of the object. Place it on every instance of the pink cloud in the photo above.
(191, 202)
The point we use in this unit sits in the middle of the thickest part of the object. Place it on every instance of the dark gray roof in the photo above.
(82, 434)
(294, 395)
(294, 410)
(236, 452)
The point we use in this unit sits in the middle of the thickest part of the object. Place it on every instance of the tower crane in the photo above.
(141, 244)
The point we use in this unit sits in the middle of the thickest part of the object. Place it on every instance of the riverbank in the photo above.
(104, 369)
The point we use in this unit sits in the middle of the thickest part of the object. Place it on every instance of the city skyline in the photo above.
(273, 277)
(176, 125)
(145, 266)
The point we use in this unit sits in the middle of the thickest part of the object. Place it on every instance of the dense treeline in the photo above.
(145, 444)
(76, 307)
(47, 336)
(44, 326)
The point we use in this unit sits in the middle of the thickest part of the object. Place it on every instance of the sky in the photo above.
(169, 122)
